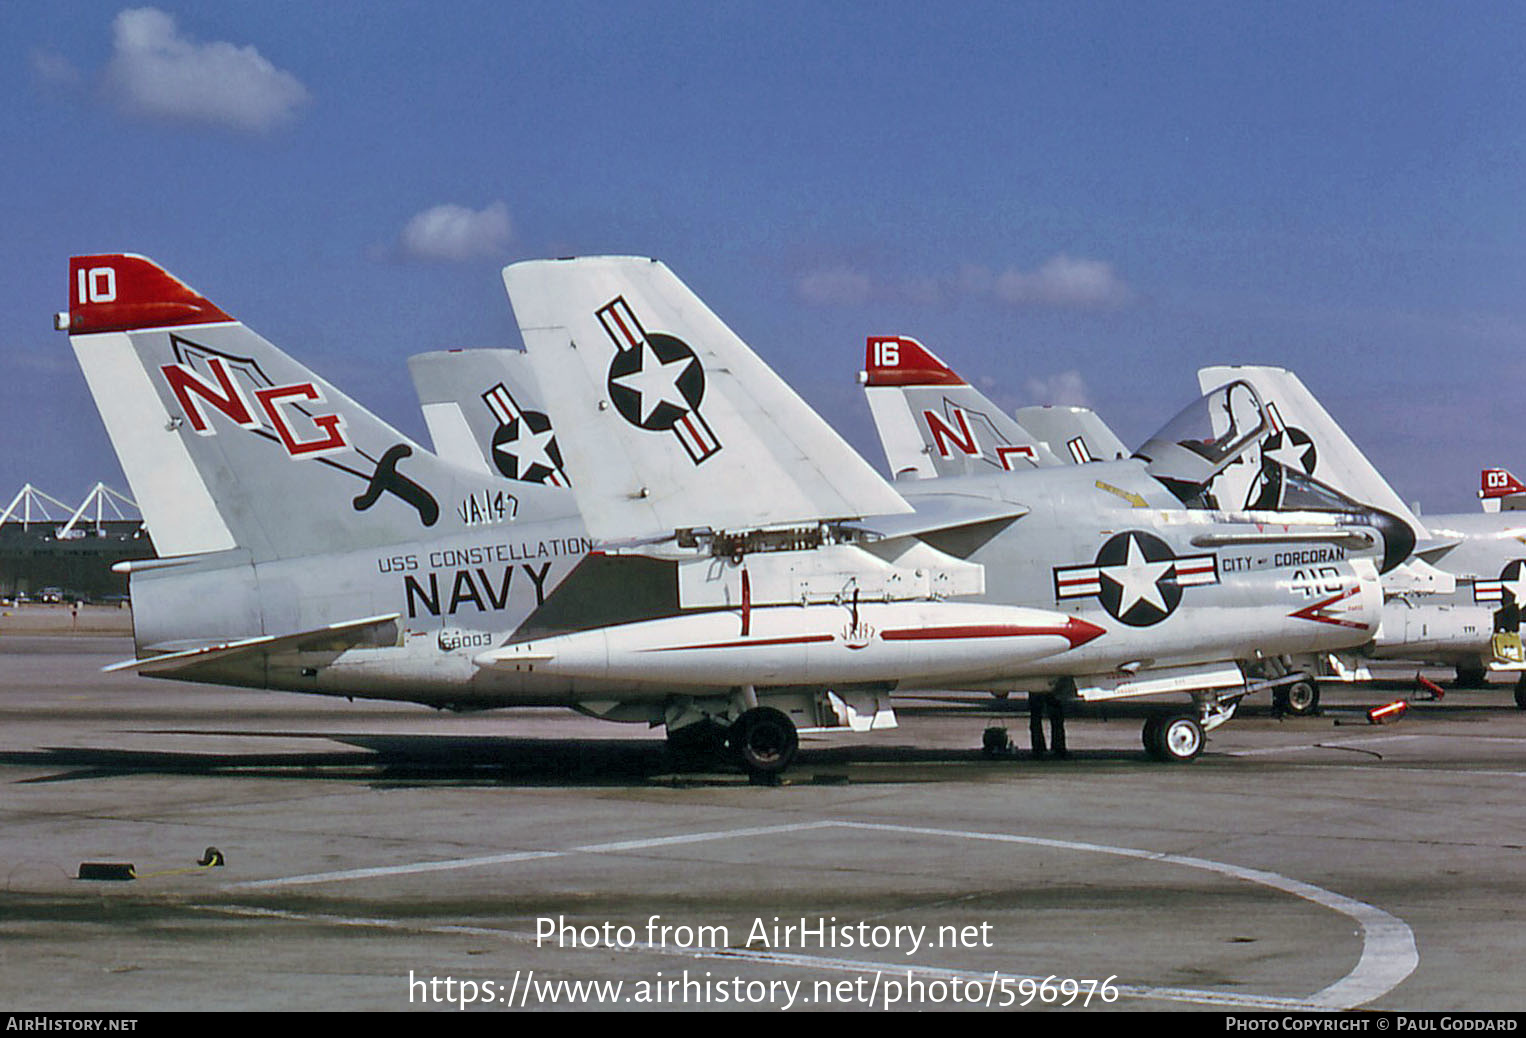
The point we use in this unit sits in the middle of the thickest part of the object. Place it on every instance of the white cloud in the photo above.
(838, 286)
(159, 73)
(1063, 281)
(1064, 388)
(454, 233)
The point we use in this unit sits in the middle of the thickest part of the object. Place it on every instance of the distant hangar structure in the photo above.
(53, 550)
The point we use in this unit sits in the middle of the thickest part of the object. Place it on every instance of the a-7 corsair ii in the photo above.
(308, 546)
(795, 563)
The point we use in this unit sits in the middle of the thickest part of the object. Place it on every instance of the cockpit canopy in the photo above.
(1215, 432)
(1227, 451)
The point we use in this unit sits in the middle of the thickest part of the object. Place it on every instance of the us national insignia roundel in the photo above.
(656, 382)
(525, 449)
(1137, 578)
(524, 445)
(1506, 595)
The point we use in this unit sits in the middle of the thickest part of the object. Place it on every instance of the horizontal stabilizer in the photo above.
(942, 512)
(371, 631)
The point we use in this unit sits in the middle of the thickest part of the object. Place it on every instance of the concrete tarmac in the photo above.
(387, 857)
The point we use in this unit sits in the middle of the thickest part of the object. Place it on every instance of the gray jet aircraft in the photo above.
(682, 447)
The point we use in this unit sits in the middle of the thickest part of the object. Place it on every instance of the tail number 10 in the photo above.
(96, 285)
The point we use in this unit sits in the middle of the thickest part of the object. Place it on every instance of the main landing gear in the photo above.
(1300, 699)
(1173, 737)
(763, 741)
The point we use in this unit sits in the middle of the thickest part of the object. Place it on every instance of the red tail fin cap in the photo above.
(1499, 483)
(896, 360)
(120, 292)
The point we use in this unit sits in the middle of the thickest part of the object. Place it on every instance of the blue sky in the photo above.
(1079, 202)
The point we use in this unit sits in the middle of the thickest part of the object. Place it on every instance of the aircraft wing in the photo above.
(666, 419)
(936, 512)
(370, 630)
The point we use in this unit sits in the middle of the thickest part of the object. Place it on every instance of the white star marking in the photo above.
(657, 382)
(1137, 579)
(529, 449)
(1290, 454)
(1516, 588)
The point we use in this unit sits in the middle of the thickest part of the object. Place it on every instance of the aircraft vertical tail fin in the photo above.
(483, 411)
(1077, 434)
(1500, 490)
(228, 442)
(666, 419)
(932, 423)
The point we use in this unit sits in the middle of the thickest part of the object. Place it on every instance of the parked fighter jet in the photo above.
(308, 546)
(684, 449)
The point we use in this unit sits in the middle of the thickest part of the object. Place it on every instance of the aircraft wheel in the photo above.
(1300, 699)
(1520, 693)
(1471, 675)
(763, 741)
(1178, 738)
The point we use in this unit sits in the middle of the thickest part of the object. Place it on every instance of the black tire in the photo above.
(763, 741)
(1520, 693)
(1300, 699)
(1471, 675)
(1177, 739)
(1151, 733)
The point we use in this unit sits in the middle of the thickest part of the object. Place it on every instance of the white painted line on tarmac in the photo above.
(517, 856)
(1388, 952)
(1388, 944)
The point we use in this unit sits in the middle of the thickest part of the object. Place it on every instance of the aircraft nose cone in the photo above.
(1398, 539)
